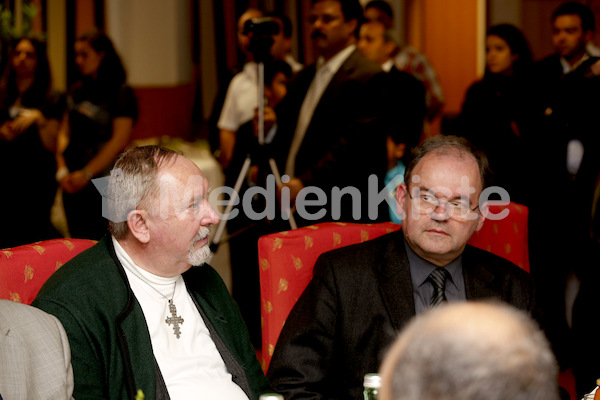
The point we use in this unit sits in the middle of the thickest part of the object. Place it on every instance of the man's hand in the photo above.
(75, 181)
(7, 132)
(25, 119)
(270, 119)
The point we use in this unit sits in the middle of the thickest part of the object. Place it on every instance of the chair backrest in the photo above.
(287, 259)
(24, 269)
(506, 237)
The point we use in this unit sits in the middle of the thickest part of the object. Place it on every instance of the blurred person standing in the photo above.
(243, 230)
(241, 98)
(30, 115)
(101, 112)
(408, 59)
(241, 95)
(406, 106)
(333, 117)
(498, 111)
(566, 160)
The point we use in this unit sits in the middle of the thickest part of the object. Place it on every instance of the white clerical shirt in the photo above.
(191, 366)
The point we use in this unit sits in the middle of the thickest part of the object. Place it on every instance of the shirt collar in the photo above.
(335, 62)
(150, 278)
(250, 69)
(387, 66)
(570, 68)
(420, 269)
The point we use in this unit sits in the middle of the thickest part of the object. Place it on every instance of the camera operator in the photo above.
(261, 39)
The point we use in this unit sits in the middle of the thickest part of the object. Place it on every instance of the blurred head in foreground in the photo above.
(470, 351)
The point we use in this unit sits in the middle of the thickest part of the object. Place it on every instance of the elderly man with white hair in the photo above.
(137, 314)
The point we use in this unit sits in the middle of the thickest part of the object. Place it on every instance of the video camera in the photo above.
(261, 31)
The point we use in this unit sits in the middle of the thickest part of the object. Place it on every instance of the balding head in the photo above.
(470, 351)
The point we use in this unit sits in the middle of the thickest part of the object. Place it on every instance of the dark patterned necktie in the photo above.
(438, 280)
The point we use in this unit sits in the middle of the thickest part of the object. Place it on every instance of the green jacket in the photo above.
(111, 350)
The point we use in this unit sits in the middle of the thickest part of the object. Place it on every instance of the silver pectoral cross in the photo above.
(174, 319)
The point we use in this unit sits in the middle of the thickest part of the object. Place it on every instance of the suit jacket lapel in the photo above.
(478, 279)
(395, 282)
(331, 91)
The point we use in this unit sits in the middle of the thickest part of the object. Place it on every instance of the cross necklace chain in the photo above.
(173, 319)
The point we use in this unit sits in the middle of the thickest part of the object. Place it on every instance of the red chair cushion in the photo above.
(24, 269)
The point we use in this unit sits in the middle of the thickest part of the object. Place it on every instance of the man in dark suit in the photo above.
(566, 149)
(361, 296)
(329, 126)
(379, 45)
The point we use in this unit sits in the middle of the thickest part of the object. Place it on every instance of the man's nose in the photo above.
(210, 217)
(440, 212)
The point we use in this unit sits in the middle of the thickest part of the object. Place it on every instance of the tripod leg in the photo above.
(236, 190)
(285, 211)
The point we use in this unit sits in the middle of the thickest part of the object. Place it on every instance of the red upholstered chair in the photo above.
(24, 269)
(506, 237)
(287, 259)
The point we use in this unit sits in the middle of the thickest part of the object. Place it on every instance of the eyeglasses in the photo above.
(458, 209)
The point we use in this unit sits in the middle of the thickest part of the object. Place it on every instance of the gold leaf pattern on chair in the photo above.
(283, 286)
(25, 268)
(515, 228)
(308, 242)
(364, 235)
(507, 248)
(39, 249)
(337, 239)
(7, 253)
(264, 264)
(277, 243)
(341, 223)
(28, 273)
(297, 263)
(16, 297)
(68, 243)
(268, 306)
(313, 227)
(271, 349)
(495, 226)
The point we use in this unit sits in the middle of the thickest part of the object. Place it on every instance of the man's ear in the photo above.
(138, 225)
(401, 193)
(484, 210)
(352, 25)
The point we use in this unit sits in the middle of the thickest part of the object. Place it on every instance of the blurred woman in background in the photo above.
(498, 110)
(30, 116)
(101, 112)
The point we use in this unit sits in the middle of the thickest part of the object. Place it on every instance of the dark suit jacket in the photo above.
(344, 142)
(406, 108)
(359, 299)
